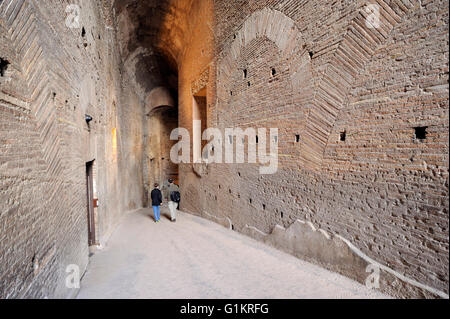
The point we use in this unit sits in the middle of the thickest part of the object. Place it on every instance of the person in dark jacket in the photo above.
(156, 201)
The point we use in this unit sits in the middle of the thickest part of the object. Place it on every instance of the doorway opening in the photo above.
(91, 203)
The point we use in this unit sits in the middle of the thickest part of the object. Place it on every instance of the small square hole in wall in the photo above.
(420, 132)
(3, 66)
(281, 214)
(264, 206)
(343, 136)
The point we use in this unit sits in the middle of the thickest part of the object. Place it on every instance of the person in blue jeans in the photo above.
(156, 196)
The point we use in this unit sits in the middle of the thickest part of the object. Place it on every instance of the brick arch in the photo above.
(330, 92)
(284, 33)
(278, 28)
(270, 23)
(348, 61)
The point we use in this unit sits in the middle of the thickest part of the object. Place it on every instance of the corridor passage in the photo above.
(195, 258)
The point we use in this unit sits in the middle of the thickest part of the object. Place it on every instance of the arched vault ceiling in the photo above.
(156, 25)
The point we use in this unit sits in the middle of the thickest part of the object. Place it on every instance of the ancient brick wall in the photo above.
(54, 76)
(362, 115)
(346, 100)
(159, 165)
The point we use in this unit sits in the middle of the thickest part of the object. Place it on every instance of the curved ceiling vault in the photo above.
(152, 33)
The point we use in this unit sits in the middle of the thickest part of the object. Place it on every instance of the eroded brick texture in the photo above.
(362, 115)
(382, 188)
(55, 76)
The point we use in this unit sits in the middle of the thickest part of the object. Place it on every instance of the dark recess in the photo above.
(420, 132)
(3, 66)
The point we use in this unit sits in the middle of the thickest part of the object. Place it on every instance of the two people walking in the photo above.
(173, 198)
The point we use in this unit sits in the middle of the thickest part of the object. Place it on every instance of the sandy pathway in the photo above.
(195, 258)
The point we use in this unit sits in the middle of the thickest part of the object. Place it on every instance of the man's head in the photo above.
(156, 185)
(170, 181)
